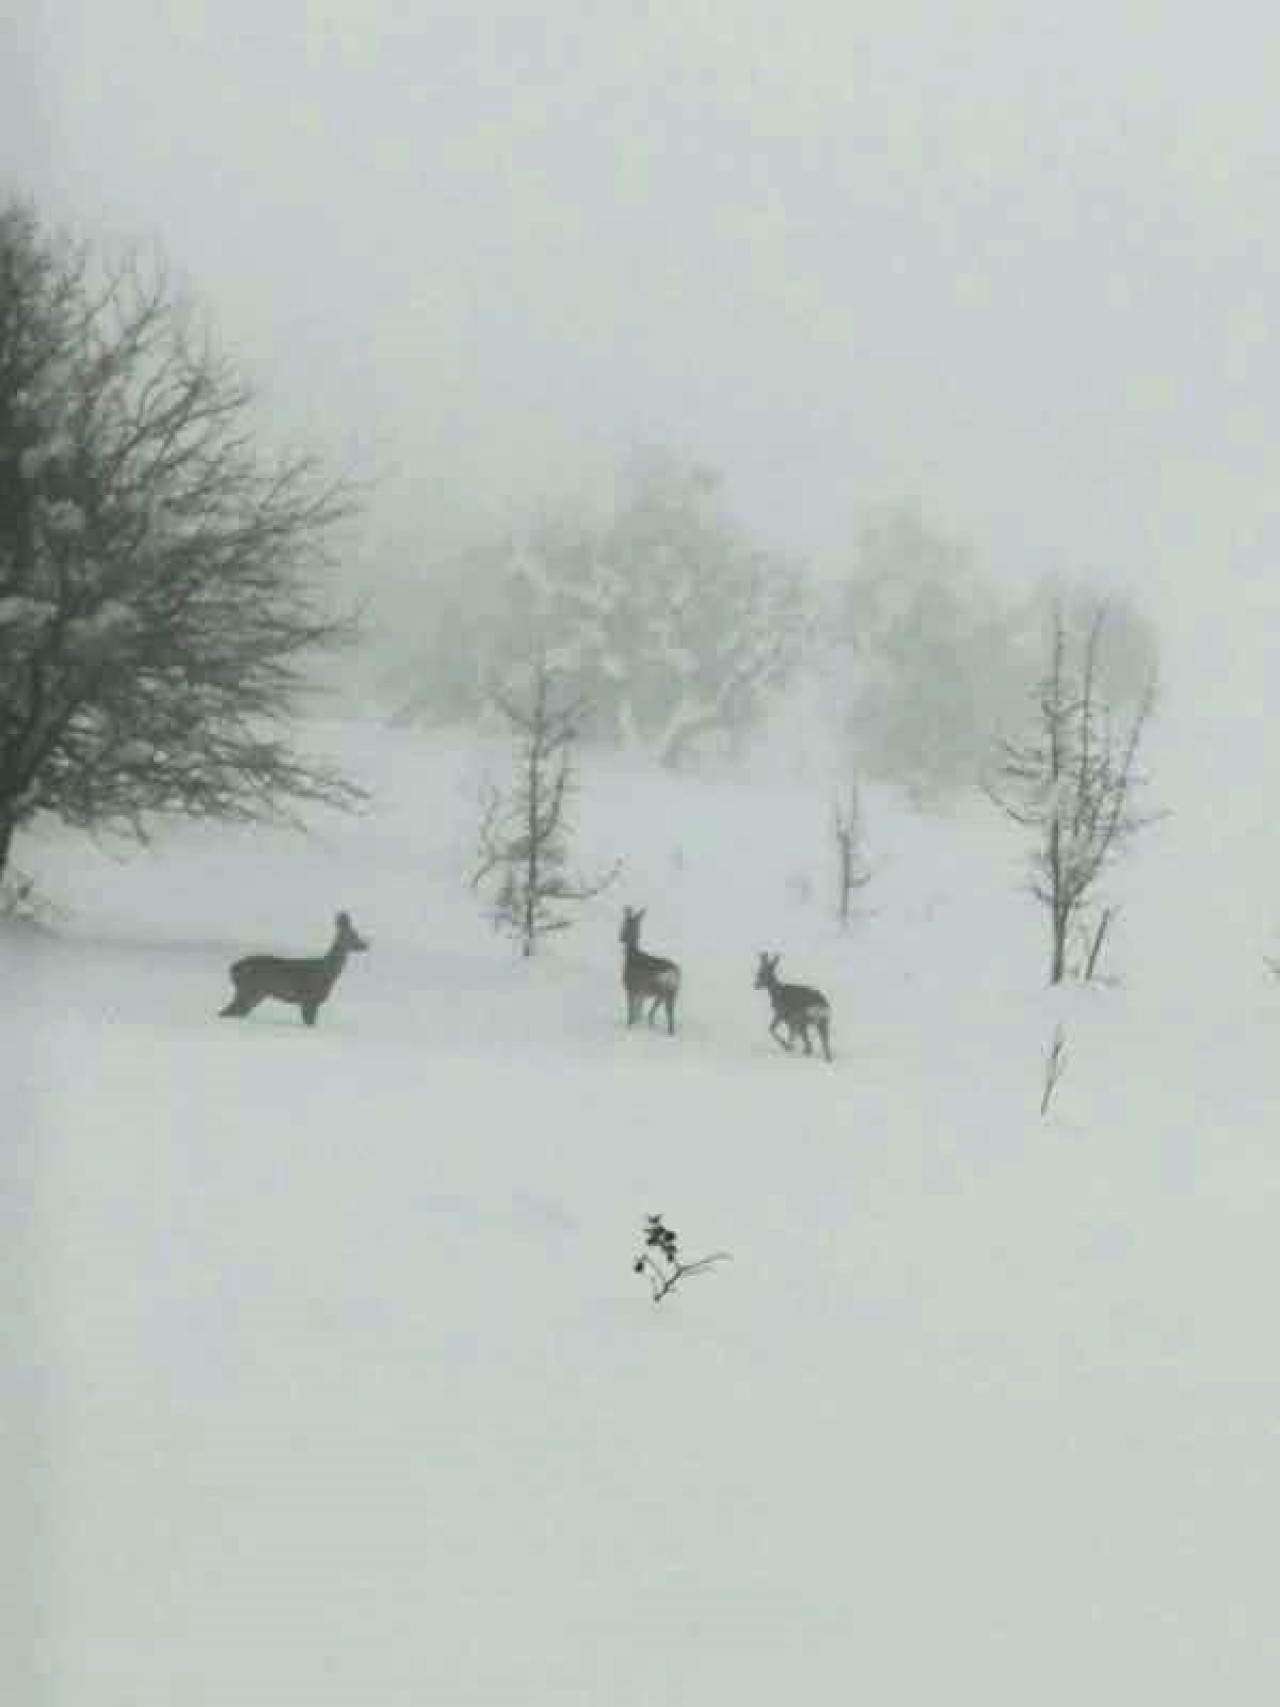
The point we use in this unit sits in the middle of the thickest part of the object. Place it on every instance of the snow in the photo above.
(26, 614)
(330, 1379)
(112, 623)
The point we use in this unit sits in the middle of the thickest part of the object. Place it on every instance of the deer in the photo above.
(307, 983)
(795, 1007)
(646, 977)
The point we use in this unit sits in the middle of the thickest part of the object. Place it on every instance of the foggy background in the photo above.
(1018, 263)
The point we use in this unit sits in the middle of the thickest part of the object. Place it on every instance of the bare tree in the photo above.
(158, 575)
(1074, 781)
(851, 866)
(524, 832)
(936, 661)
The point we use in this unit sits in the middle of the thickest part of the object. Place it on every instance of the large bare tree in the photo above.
(159, 590)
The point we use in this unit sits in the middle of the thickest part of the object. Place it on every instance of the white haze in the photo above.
(1018, 262)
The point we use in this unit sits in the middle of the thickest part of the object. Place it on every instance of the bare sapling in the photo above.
(797, 1008)
(1098, 936)
(525, 832)
(1074, 782)
(852, 873)
(1055, 1065)
(304, 983)
(660, 1260)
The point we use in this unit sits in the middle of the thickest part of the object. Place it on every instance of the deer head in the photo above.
(629, 935)
(349, 937)
(767, 970)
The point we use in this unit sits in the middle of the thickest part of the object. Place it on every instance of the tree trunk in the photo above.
(8, 825)
(1061, 921)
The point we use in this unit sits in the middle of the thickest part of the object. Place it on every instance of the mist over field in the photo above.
(701, 445)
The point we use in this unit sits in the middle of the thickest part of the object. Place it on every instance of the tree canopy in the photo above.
(158, 590)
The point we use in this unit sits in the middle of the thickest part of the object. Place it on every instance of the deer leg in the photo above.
(804, 1038)
(671, 1016)
(824, 1034)
(773, 1032)
(309, 1012)
(240, 1004)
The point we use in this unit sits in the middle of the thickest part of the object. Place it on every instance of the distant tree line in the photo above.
(163, 594)
(940, 661)
(670, 627)
(679, 636)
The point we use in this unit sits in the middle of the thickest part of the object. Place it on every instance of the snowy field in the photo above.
(328, 1379)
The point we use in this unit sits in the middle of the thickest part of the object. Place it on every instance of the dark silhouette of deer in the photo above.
(795, 1007)
(646, 977)
(305, 983)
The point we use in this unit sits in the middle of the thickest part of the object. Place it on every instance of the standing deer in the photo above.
(305, 983)
(795, 1006)
(646, 977)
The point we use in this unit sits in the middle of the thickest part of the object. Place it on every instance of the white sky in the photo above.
(1018, 260)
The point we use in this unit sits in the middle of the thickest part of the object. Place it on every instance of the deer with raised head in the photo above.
(796, 1007)
(306, 983)
(646, 977)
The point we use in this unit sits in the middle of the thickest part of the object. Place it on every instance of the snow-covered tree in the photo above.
(659, 615)
(938, 659)
(1073, 780)
(157, 599)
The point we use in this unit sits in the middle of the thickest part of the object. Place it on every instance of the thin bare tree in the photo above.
(523, 852)
(1074, 781)
(852, 872)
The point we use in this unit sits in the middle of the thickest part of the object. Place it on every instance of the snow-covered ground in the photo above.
(328, 1378)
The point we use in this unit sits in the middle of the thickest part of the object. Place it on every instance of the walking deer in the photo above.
(796, 1007)
(305, 983)
(646, 977)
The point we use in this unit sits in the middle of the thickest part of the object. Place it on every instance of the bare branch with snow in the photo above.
(157, 571)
